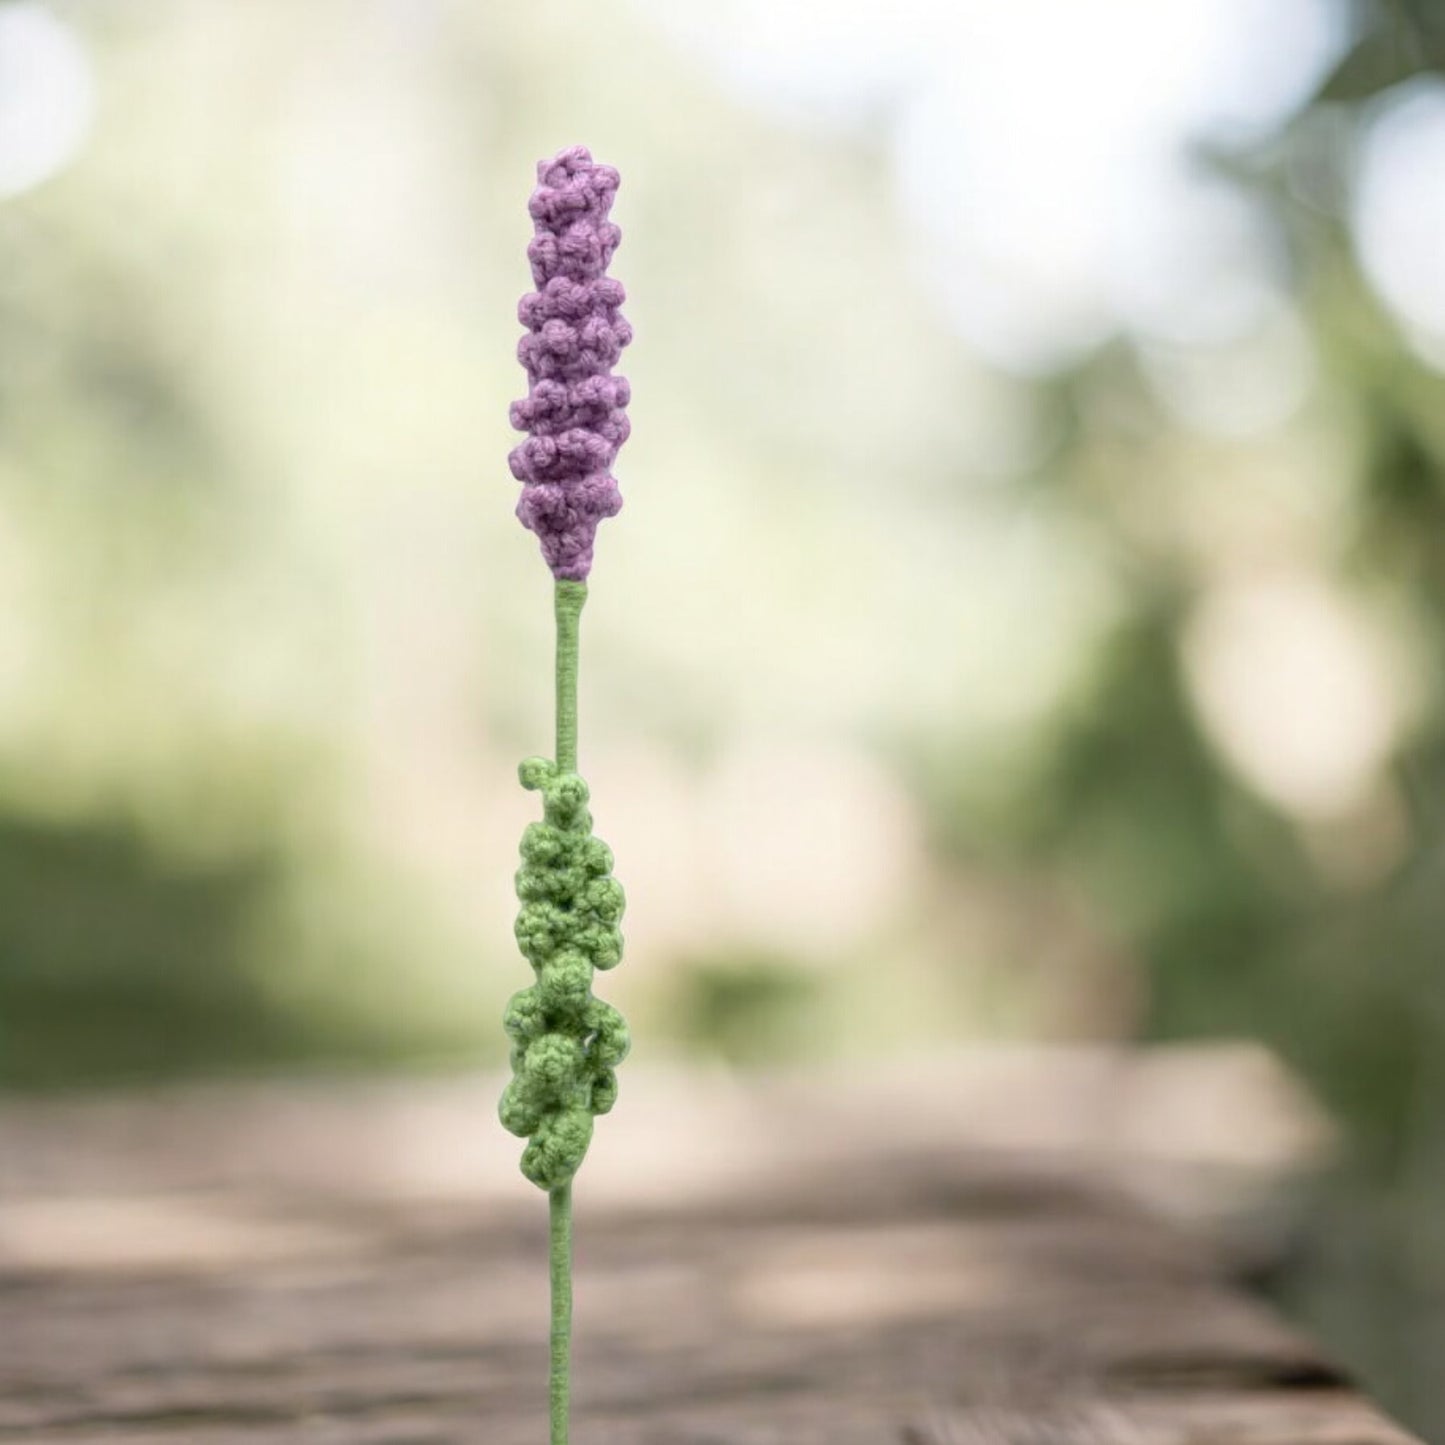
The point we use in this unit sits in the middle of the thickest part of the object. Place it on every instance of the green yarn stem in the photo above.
(568, 602)
(569, 599)
(559, 1208)
(566, 1043)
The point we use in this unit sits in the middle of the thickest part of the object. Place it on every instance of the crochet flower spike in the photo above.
(575, 410)
(566, 1044)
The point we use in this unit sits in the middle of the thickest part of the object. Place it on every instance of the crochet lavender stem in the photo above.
(575, 409)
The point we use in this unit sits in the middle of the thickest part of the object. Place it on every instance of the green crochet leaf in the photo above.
(566, 1044)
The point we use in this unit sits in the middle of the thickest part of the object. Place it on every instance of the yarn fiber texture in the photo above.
(566, 1044)
(575, 409)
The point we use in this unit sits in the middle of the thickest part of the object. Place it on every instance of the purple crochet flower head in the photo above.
(574, 411)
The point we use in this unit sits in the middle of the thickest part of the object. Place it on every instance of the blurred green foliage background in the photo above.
(1026, 619)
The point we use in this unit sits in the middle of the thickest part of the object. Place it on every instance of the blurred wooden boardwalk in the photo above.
(1004, 1249)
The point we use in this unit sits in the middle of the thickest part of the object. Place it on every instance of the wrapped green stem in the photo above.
(567, 603)
(566, 1044)
(559, 1388)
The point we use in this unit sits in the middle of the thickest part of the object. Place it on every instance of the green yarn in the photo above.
(566, 1044)
(559, 1384)
(568, 599)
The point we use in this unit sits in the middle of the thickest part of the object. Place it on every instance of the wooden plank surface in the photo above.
(971, 1251)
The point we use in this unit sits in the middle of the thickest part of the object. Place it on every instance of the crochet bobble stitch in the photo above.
(575, 409)
(565, 1043)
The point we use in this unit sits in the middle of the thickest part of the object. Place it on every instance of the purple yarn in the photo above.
(574, 411)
